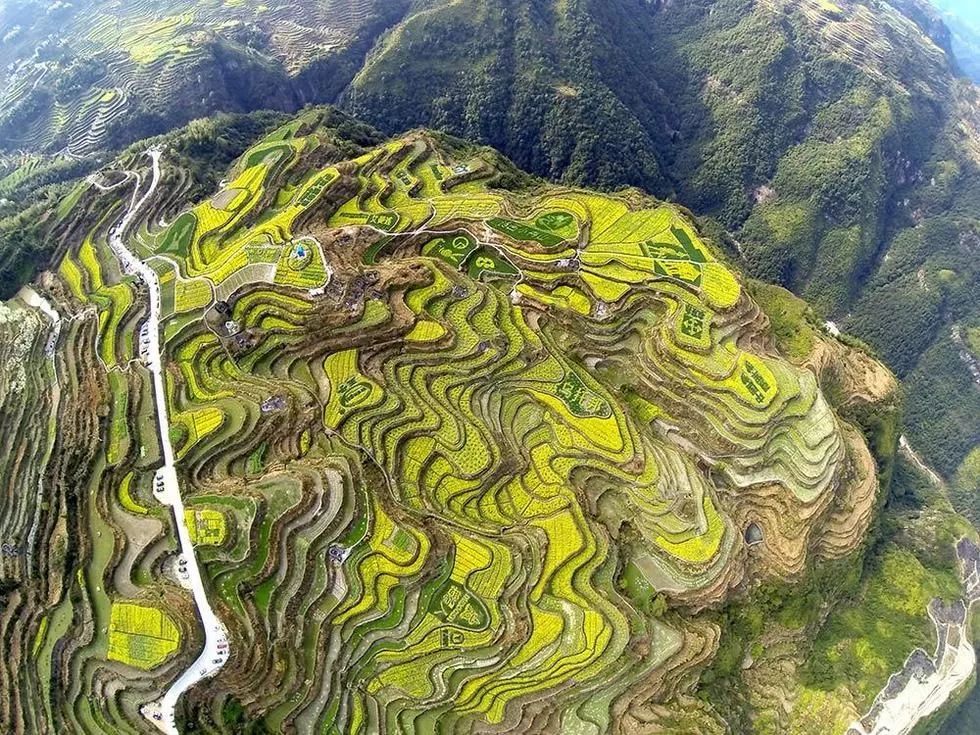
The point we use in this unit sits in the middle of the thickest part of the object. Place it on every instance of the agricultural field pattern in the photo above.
(77, 75)
(371, 443)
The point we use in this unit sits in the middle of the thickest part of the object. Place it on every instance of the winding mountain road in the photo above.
(166, 485)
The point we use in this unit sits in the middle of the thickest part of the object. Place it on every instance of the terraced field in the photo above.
(76, 75)
(442, 445)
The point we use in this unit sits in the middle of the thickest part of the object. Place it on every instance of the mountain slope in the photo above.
(833, 140)
(963, 19)
(461, 450)
(85, 76)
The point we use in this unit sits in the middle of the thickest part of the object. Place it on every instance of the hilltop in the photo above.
(449, 438)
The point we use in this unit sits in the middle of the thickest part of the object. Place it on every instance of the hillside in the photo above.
(834, 143)
(79, 81)
(444, 438)
(321, 419)
(86, 76)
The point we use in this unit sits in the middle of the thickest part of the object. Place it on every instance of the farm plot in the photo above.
(141, 636)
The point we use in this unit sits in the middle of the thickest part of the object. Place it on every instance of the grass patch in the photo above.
(790, 317)
(864, 642)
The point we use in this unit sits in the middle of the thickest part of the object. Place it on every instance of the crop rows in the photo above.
(149, 56)
(474, 420)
